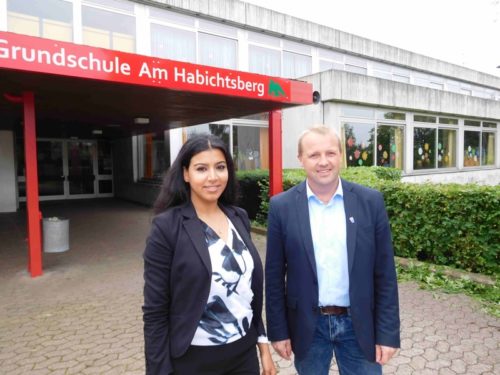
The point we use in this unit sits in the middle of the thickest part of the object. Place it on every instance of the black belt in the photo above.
(333, 310)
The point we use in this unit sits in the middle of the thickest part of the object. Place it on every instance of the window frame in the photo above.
(110, 33)
(437, 127)
(402, 127)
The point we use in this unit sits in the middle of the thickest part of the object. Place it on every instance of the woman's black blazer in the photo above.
(177, 277)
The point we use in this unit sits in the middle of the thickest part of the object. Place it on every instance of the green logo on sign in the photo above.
(275, 89)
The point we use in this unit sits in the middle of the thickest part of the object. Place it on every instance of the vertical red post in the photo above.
(32, 203)
(275, 153)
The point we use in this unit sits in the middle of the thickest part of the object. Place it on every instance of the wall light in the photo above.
(141, 120)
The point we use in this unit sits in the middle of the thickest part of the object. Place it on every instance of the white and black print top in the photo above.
(228, 313)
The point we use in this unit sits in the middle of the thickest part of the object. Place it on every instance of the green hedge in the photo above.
(249, 196)
(446, 224)
(368, 176)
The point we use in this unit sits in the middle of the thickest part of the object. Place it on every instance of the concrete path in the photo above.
(83, 316)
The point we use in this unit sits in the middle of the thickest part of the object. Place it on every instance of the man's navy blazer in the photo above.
(177, 275)
(292, 281)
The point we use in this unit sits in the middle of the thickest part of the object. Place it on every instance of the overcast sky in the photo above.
(463, 32)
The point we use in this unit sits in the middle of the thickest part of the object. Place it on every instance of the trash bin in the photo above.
(55, 234)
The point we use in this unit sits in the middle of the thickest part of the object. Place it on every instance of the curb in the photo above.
(450, 272)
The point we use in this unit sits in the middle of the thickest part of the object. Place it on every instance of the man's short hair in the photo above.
(318, 129)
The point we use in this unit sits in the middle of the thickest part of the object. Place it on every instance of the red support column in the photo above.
(32, 203)
(275, 154)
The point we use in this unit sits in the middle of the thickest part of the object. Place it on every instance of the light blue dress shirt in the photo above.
(328, 229)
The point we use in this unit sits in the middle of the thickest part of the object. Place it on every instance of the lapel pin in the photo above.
(351, 219)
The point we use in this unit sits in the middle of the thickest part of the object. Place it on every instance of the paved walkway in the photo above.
(83, 316)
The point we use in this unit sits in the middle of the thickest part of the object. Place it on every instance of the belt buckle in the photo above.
(333, 310)
(324, 311)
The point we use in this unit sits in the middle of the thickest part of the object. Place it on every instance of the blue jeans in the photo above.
(335, 334)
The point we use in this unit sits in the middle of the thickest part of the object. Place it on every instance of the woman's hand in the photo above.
(266, 360)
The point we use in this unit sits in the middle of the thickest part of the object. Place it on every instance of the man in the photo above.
(330, 277)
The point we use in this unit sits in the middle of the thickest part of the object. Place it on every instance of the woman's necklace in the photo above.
(218, 223)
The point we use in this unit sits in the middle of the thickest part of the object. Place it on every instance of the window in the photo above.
(105, 167)
(330, 60)
(422, 118)
(249, 144)
(217, 51)
(355, 65)
(424, 144)
(479, 148)
(264, 60)
(106, 29)
(390, 140)
(472, 123)
(329, 65)
(297, 60)
(358, 140)
(250, 147)
(391, 116)
(264, 39)
(218, 28)
(171, 17)
(52, 19)
(471, 148)
(446, 148)
(381, 70)
(453, 86)
(489, 124)
(104, 158)
(220, 130)
(421, 79)
(488, 148)
(153, 156)
(400, 75)
(296, 65)
(172, 43)
(114, 4)
(355, 69)
(400, 78)
(431, 152)
(449, 121)
(353, 111)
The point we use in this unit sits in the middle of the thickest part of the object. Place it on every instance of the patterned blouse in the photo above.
(228, 313)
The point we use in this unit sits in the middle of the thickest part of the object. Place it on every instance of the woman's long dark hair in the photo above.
(175, 191)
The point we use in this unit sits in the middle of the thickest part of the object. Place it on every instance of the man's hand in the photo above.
(383, 354)
(283, 348)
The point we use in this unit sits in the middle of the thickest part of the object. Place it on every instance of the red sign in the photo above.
(21, 52)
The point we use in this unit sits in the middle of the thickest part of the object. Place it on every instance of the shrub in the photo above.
(369, 176)
(445, 224)
(249, 190)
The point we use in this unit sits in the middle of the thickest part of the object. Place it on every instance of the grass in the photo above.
(433, 278)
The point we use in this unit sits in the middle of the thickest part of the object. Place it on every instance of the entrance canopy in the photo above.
(69, 90)
(79, 89)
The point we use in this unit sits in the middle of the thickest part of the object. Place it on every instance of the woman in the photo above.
(203, 276)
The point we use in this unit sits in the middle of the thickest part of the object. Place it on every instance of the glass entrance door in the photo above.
(81, 168)
(70, 169)
(50, 168)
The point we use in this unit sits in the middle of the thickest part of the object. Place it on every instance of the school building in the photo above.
(97, 97)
